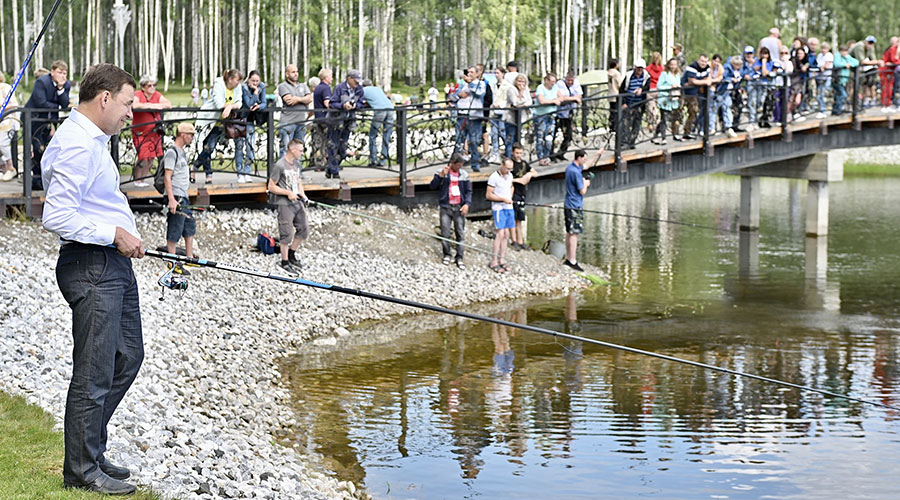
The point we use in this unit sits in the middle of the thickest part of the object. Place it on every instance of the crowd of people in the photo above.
(802, 74)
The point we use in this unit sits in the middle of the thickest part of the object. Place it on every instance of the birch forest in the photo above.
(422, 42)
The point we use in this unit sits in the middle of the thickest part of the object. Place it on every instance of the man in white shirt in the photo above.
(85, 207)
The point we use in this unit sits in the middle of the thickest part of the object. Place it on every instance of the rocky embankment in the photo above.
(202, 418)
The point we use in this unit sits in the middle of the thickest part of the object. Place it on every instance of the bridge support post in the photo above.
(749, 216)
(817, 208)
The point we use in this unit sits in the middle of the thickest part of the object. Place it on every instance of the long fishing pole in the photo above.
(641, 217)
(34, 47)
(428, 307)
(400, 226)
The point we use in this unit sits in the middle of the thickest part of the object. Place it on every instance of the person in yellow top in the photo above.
(226, 95)
(7, 127)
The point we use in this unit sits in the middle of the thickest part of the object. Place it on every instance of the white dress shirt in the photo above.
(83, 200)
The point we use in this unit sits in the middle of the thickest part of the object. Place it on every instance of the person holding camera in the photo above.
(227, 96)
(147, 129)
(347, 98)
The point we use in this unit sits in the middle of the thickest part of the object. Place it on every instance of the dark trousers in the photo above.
(564, 124)
(665, 116)
(453, 215)
(737, 106)
(101, 290)
(40, 138)
(633, 116)
(338, 136)
(204, 159)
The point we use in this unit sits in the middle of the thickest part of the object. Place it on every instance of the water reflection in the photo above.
(435, 407)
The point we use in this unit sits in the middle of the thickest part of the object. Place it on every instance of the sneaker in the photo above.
(751, 127)
(295, 262)
(886, 109)
(288, 269)
(446, 260)
(688, 137)
(730, 133)
(209, 179)
(821, 116)
(495, 158)
(140, 184)
(476, 167)
(8, 175)
(573, 265)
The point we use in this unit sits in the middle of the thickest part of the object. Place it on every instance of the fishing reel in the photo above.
(172, 279)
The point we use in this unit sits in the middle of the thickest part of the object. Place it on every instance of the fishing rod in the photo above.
(641, 217)
(400, 226)
(192, 207)
(181, 284)
(34, 47)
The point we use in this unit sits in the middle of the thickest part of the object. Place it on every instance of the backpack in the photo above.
(159, 178)
(265, 243)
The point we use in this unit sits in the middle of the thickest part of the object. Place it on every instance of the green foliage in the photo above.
(31, 456)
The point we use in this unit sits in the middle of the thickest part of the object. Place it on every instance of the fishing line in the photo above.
(477, 317)
(34, 47)
(400, 226)
(641, 217)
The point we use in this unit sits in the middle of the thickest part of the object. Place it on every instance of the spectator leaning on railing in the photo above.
(544, 117)
(722, 97)
(346, 99)
(825, 63)
(51, 92)
(864, 53)
(295, 99)
(518, 102)
(635, 86)
(227, 96)
(570, 93)
(501, 100)
(668, 84)
(382, 122)
(760, 87)
(469, 114)
(695, 84)
(253, 97)
(147, 130)
(843, 64)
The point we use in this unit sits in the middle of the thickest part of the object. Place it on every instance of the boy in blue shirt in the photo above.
(576, 187)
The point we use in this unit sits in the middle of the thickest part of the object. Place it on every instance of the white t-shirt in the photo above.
(502, 187)
(824, 59)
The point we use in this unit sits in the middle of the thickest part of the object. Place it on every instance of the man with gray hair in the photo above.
(295, 98)
(346, 99)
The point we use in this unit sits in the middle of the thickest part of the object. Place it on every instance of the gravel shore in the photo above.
(208, 404)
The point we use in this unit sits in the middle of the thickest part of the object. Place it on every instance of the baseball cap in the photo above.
(355, 74)
(640, 63)
(870, 39)
(186, 128)
(749, 49)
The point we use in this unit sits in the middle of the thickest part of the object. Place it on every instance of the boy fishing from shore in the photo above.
(179, 219)
(500, 192)
(454, 200)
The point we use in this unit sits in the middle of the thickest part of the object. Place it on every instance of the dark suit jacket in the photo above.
(45, 96)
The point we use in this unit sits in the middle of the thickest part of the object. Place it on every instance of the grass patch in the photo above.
(31, 456)
(871, 169)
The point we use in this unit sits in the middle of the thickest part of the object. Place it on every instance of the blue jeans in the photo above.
(243, 148)
(101, 290)
(510, 130)
(543, 126)
(497, 131)
(822, 88)
(289, 132)
(756, 93)
(723, 102)
(204, 159)
(840, 97)
(382, 121)
(469, 127)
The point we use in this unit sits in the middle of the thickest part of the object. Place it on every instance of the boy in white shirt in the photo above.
(499, 191)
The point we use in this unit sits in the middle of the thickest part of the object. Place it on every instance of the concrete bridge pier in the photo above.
(818, 170)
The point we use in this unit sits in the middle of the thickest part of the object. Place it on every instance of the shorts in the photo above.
(870, 77)
(574, 220)
(519, 208)
(504, 219)
(292, 217)
(180, 223)
(5, 146)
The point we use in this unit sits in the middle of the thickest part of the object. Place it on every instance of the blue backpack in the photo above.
(265, 243)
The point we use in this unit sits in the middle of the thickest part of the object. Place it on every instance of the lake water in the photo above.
(430, 407)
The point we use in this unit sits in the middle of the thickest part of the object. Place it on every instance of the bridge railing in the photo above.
(424, 135)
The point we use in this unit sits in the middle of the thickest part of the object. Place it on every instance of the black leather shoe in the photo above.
(106, 485)
(114, 471)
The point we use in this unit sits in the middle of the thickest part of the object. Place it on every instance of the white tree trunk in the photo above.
(326, 63)
(360, 49)
(512, 32)
(253, 36)
(624, 21)
(639, 28)
(15, 21)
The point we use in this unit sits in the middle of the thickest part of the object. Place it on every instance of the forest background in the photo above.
(408, 42)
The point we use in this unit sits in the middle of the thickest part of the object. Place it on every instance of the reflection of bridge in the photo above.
(762, 152)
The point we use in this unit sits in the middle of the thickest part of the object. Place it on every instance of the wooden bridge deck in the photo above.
(385, 185)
